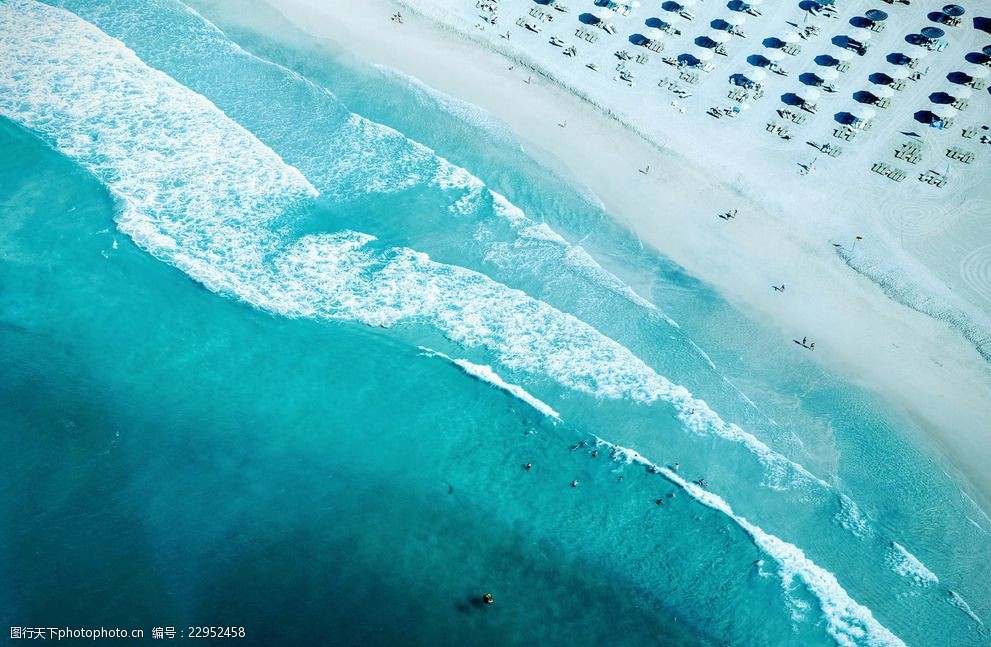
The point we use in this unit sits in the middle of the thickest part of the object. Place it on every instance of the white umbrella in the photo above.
(829, 74)
(960, 92)
(774, 55)
(862, 35)
(900, 73)
(604, 14)
(944, 111)
(863, 113)
(737, 20)
(756, 74)
(843, 55)
(754, 3)
(672, 18)
(976, 71)
(653, 33)
(704, 55)
(687, 3)
(719, 37)
(789, 37)
(808, 94)
(883, 92)
(916, 52)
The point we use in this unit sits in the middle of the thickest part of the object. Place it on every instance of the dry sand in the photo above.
(785, 229)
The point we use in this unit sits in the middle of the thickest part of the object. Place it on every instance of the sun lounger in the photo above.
(968, 133)
(960, 104)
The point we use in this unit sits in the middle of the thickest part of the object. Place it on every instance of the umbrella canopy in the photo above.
(862, 35)
(719, 37)
(954, 10)
(754, 3)
(943, 111)
(932, 33)
(672, 18)
(756, 74)
(654, 33)
(789, 37)
(862, 112)
(987, 50)
(829, 74)
(604, 14)
(687, 3)
(883, 92)
(808, 94)
(977, 71)
(704, 55)
(916, 52)
(900, 73)
(876, 15)
(960, 92)
(843, 55)
(736, 20)
(774, 55)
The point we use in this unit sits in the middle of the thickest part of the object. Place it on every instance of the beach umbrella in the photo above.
(687, 3)
(654, 33)
(755, 3)
(704, 55)
(916, 52)
(756, 74)
(900, 73)
(774, 55)
(932, 33)
(672, 19)
(954, 10)
(789, 37)
(987, 50)
(862, 112)
(862, 35)
(604, 14)
(808, 94)
(843, 55)
(883, 92)
(977, 71)
(876, 15)
(944, 111)
(960, 92)
(829, 74)
(736, 20)
(719, 37)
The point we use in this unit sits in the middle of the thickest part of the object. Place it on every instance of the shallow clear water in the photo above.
(219, 411)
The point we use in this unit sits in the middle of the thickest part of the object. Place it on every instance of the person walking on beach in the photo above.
(803, 340)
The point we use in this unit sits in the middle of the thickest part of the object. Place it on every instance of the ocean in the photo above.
(281, 331)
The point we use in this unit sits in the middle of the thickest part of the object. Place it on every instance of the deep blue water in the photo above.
(216, 409)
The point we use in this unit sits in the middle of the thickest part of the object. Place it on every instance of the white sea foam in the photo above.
(847, 621)
(852, 519)
(486, 374)
(957, 600)
(908, 565)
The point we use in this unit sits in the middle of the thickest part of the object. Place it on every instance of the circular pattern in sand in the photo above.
(919, 218)
(975, 271)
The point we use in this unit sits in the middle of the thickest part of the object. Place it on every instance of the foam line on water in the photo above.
(847, 621)
(909, 566)
(485, 373)
(957, 600)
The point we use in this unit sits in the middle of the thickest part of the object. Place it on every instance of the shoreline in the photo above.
(922, 369)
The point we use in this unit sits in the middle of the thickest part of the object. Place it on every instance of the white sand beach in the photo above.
(929, 245)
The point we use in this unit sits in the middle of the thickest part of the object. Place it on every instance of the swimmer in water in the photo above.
(595, 452)
(528, 466)
(574, 483)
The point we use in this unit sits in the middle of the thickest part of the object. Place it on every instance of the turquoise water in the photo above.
(217, 409)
